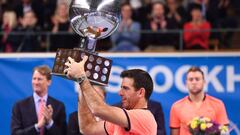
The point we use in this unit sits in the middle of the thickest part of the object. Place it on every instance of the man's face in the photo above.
(195, 82)
(29, 19)
(128, 93)
(126, 12)
(158, 10)
(196, 15)
(40, 83)
(62, 10)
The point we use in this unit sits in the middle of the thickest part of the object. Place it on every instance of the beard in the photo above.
(196, 91)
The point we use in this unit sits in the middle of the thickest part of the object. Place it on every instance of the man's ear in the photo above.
(141, 92)
(49, 82)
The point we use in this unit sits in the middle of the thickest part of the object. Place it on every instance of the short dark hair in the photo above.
(141, 80)
(125, 4)
(160, 3)
(195, 7)
(195, 69)
(44, 70)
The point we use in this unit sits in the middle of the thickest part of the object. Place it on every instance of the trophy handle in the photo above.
(88, 44)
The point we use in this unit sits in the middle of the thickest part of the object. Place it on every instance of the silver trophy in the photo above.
(92, 20)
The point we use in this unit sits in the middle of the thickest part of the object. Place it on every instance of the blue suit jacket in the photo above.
(24, 117)
(156, 109)
(73, 126)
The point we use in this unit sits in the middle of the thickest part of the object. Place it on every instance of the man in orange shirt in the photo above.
(134, 119)
(197, 103)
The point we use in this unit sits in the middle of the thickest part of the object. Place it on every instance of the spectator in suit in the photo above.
(28, 39)
(156, 109)
(39, 113)
(73, 126)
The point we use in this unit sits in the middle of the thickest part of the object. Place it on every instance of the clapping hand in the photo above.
(47, 113)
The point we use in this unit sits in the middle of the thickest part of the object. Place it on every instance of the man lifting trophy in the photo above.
(92, 20)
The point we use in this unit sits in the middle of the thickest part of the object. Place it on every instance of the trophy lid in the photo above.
(95, 18)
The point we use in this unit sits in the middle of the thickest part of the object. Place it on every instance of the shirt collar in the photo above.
(36, 97)
(202, 99)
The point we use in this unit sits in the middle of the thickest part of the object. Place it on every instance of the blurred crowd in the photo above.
(146, 25)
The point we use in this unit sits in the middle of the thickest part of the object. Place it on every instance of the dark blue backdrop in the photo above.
(168, 71)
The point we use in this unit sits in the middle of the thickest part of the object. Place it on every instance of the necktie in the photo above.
(41, 105)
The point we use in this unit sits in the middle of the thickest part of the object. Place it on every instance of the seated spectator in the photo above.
(197, 31)
(127, 36)
(158, 25)
(202, 3)
(141, 13)
(8, 24)
(61, 23)
(48, 12)
(60, 18)
(2, 9)
(230, 21)
(22, 6)
(28, 38)
(176, 12)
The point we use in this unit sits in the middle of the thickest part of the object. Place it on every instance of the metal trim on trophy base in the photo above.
(97, 68)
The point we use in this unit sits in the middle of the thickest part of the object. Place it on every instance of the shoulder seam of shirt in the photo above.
(105, 128)
(128, 119)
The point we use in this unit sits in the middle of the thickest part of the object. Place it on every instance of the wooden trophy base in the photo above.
(97, 68)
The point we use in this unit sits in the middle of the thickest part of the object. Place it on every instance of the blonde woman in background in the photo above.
(9, 22)
(60, 19)
(62, 30)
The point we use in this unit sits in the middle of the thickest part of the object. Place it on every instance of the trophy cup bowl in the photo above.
(92, 20)
(95, 19)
